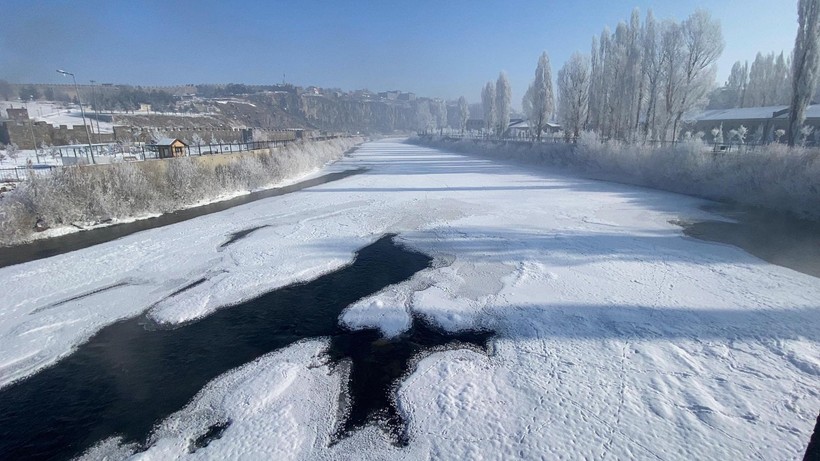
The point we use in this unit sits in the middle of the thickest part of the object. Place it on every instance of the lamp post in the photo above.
(82, 112)
(96, 112)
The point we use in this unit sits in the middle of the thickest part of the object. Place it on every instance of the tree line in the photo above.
(638, 82)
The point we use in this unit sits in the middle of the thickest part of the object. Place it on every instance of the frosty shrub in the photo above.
(83, 195)
(773, 176)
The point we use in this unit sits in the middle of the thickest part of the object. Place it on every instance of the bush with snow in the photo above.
(95, 193)
(774, 176)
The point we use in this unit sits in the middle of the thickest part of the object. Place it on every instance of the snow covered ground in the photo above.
(618, 337)
(58, 113)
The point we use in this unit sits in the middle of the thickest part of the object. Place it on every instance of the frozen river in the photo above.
(615, 335)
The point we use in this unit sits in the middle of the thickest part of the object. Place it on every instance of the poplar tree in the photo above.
(503, 103)
(805, 65)
(539, 102)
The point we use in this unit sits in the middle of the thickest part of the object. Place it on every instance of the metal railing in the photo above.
(116, 152)
(716, 147)
(22, 173)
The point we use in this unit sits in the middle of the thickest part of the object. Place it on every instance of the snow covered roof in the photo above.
(167, 141)
(753, 113)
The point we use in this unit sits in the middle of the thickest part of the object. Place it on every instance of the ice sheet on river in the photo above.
(618, 336)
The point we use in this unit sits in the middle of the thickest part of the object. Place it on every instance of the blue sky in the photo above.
(433, 48)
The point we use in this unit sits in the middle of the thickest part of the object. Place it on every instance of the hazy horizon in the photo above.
(442, 51)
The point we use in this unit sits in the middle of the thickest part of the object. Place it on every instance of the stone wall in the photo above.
(20, 133)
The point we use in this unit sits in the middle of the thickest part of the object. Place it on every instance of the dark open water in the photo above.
(45, 248)
(778, 238)
(131, 374)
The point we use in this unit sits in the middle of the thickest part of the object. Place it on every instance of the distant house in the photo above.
(170, 147)
(520, 128)
(551, 128)
(475, 124)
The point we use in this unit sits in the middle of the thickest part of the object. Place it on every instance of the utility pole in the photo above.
(82, 112)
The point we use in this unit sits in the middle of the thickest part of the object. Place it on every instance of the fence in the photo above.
(115, 152)
(144, 151)
(22, 173)
(716, 147)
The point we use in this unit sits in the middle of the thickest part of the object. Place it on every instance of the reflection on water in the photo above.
(45, 248)
(778, 238)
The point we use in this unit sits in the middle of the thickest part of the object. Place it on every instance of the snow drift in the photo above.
(94, 194)
(773, 176)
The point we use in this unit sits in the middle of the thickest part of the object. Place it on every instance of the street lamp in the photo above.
(96, 112)
(82, 112)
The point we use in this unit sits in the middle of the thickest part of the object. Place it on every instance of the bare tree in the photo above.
(671, 61)
(488, 104)
(573, 94)
(805, 66)
(702, 46)
(12, 151)
(463, 113)
(503, 102)
(652, 70)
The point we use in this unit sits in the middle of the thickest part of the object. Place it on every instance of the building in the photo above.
(18, 115)
(519, 128)
(389, 95)
(761, 123)
(170, 147)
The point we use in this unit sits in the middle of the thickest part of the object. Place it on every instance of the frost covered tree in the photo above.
(652, 70)
(539, 102)
(702, 46)
(12, 151)
(805, 65)
(463, 113)
(769, 81)
(156, 134)
(440, 112)
(424, 119)
(526, 104)
(488, 105)
(737, 84)
(503, 103)
(643, 78)
(782, 80)
(197, 140)
(671, 60)
(573, 94)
